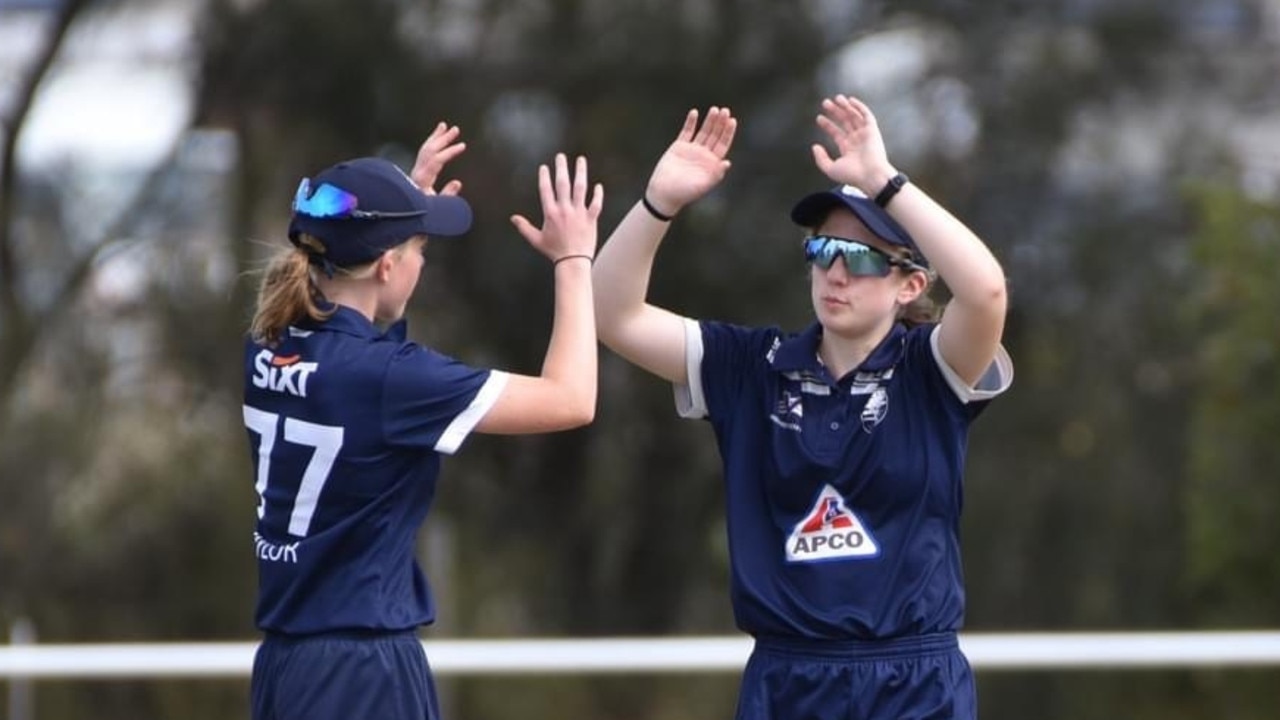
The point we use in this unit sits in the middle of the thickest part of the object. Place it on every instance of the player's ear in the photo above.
(382, 266)
(916, 283)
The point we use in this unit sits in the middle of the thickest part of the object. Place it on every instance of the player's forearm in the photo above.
(571, 357)
(961, 259)
(623, 268)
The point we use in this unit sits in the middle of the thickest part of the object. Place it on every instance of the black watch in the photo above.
(891, 188)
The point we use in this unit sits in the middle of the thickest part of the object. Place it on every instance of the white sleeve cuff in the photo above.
(462, 425)
(690, 402)
(997, 378)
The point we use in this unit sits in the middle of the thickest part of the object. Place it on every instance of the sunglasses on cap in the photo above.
(334, 203)
(860, 259)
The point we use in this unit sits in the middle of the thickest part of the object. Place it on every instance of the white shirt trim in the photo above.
(997, 378)
(690, 401)
(462, 425)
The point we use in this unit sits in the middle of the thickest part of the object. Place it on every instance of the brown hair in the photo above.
(924, 309)
(921, 311)
(286, 295)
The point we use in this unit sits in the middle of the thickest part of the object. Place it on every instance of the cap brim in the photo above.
(354, 241)
(813, 209)
(446, 215)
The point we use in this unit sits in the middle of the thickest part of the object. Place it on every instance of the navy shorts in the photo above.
(343, 676)
(915, 678)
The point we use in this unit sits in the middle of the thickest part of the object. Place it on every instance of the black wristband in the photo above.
(559, 260)
(891, 188)
(644, 200)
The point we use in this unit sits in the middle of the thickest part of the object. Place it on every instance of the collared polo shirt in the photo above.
(347, 425)
(843, 495)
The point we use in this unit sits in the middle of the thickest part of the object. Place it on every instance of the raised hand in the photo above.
(568, 217)
(436, 151)
(693, 164)
(861, 159)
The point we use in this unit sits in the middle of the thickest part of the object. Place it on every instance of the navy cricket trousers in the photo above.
(343, 676)
(914, 678)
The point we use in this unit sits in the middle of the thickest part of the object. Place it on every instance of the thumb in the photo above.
(821, 158)
(525, 228)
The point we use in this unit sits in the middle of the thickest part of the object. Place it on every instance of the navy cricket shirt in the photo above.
(347, 425)
(843, 495)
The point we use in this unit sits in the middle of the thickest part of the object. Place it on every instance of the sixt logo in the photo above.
(282, 373)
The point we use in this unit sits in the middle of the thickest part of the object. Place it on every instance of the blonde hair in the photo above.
(286, 295)
(289, 291)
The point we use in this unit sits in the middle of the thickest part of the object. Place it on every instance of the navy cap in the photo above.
(813, 209)
(360, 208)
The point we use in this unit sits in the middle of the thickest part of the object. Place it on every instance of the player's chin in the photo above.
(843, 321)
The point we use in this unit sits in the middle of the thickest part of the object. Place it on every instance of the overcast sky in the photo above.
(119, 94)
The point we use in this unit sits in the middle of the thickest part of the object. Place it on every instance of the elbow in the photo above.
(607, 322)
(580, 400)
(997, 294)
(607, 335)
(991, 296)
(582, 406)
(581, 415)
(587, 408)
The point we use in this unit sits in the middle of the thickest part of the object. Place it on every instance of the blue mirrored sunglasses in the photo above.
(860, 259)
(334, 203)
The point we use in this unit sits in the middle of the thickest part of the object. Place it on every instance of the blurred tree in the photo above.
(27, 323)
(110, 498)
(1234, 520)
(1232, 503)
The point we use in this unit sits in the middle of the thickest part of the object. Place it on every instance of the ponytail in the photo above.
(286, 295)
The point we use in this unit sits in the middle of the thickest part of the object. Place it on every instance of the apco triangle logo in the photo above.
(830, 532)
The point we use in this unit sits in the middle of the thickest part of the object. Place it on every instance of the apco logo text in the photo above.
(830, 531)
(282, 373)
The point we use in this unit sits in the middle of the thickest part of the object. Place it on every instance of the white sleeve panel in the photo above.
(690, 402)
(462, 425)
(997, 378)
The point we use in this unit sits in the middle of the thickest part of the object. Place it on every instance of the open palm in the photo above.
(860, 158)
(441, 146)
(695, 163)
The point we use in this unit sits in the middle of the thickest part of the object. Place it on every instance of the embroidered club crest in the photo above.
(876, 408)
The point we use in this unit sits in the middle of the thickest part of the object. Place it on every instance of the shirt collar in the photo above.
(350, 321)
(800, 352)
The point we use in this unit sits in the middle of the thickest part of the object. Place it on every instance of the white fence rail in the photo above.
(1017, 651)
